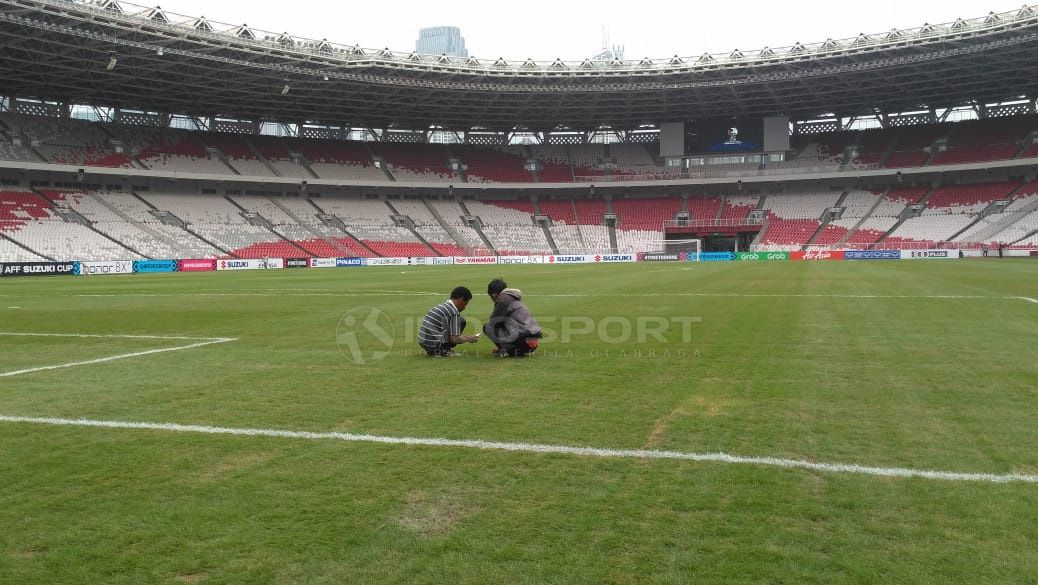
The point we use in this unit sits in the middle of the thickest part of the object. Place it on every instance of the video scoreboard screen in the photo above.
(728, 135)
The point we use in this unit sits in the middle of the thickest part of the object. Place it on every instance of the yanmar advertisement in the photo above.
(475, 260)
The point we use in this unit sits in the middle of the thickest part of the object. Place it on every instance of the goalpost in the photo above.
(687, 249)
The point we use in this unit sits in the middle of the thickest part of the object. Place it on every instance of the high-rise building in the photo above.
(441, 40)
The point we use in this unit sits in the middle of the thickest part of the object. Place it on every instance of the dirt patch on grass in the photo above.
(431, 515)
(30, 553)
(231, 464)
(192, 577)
(705, 406)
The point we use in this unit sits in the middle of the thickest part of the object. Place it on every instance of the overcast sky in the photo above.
(573, 30)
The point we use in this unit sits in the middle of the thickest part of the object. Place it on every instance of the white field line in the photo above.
(118, 336)
(201, 342)
(578, 295)
(789, 296)
(899, 472)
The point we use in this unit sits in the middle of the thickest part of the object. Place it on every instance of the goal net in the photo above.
(689, 249)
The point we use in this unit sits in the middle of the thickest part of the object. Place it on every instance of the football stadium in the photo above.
(777, 309)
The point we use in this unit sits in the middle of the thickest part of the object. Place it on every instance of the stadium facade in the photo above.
(540, 157)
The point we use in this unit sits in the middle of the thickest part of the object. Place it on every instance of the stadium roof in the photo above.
(115, 54)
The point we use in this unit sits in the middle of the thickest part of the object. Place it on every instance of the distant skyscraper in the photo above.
(441, 40)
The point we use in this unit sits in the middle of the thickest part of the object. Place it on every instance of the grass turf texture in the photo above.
(946, 384)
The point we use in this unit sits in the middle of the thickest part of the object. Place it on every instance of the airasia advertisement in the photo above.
(817, 255)
(202, 265)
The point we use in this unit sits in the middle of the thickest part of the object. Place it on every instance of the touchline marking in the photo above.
(201, 342)
(900, 472)
(359, 293)
(119, 336)
(269, 293)
(791, 296)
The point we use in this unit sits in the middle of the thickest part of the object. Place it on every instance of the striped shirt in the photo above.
(439, 324)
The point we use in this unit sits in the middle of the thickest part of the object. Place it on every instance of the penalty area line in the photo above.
(202, 343)
(896, 472)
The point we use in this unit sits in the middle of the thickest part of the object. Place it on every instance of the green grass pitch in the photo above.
(911, 365)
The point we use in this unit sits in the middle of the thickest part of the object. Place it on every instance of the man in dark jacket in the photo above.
(511, 326)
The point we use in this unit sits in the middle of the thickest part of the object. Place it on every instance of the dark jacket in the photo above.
(511, 321)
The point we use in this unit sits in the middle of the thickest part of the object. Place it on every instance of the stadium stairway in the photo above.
(140, 226)
(890, 147)
(1026, 238)
(1001, 225)
(907, 214)
(71, 216)
(993, 207)
(256, 152)
(479, 229)
(824, 221)
(318, 236)
(26, 248)
(548, 236)
(446, 227)
(333, 221)
(220, 156)
(843, 241)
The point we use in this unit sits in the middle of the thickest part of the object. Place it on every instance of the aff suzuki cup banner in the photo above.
(475, 260)
(385, 261)
(872, 255)
(246, 264)
(712, 257)
(36, 268)
(929, 254)
(154, 266)
(103, 268)
(197, 265)
(607, 258)
(661, 258)
(570, 259)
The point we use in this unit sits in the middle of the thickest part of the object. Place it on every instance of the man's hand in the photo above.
(469, 338)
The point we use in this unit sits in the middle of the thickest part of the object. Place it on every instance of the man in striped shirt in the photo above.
(441, 329)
